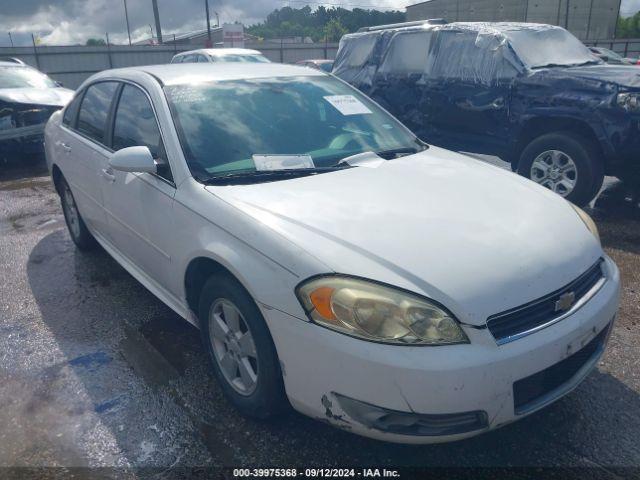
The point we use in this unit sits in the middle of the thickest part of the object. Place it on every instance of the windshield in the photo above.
(242, 58)
(549, 47)
(233, 126)
(24, 77)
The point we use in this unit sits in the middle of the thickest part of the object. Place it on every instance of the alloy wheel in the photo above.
(233, 346)
(555, 170)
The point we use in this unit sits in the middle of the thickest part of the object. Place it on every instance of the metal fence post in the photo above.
(109, 52)
(35, 51)
(281, 50)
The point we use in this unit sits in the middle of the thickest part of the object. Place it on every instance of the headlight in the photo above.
(629, 101)
(378, 313)
(587, 221)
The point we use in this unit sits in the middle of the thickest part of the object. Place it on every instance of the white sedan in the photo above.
(206, 55)
(331, 259)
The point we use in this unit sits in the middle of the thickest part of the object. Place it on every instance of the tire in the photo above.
(582, 152)
(78, 230)
(267, 397)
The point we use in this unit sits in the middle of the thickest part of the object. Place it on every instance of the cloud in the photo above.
(64, 22)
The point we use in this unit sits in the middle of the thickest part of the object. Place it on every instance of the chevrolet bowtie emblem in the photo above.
(565, 302)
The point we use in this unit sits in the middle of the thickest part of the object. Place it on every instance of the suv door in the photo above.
(138, 205)
(399, 81)
(82, 146)
(469, 91)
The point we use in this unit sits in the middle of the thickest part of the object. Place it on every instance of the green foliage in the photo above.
(334, 30)
(330, 22)
(629, 27)
(96, 42)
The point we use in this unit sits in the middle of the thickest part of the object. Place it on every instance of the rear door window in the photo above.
(407, 53)
(71, 112)
(94, 110)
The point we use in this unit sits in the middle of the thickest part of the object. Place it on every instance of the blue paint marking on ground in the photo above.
(108, 405)
(91, 361)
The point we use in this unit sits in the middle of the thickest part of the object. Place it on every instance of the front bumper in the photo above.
(320, 367)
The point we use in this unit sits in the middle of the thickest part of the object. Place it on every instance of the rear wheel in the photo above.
(566, 163)
(78, 230)
(241, 349)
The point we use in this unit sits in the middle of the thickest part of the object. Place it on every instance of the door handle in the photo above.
(65, 147)
(108, 175)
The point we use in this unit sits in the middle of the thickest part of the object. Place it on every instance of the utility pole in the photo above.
(566, 18)
(206, 6)
(126, 16)
(156, 14)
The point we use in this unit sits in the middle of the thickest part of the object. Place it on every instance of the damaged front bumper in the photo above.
(22, 128)
(434, 394)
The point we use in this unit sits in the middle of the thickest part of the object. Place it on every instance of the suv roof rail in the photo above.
(431, 21)
(12, 60)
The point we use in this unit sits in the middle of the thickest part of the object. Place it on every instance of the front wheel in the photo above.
(566, 163)
(241, 349)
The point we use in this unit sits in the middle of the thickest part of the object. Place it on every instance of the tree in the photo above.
(96, 42)
(629, 27)
(332, 22)
(334, 30)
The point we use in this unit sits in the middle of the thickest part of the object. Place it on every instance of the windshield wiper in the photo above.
(257, 176)
(397, 152)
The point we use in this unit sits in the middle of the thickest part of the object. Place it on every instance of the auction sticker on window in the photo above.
(282, 162)
(347, 104)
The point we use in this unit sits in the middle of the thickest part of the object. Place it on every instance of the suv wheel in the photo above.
(78, 230)
(565, 163)
(241, 349)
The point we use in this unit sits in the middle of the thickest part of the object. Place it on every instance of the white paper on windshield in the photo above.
(282, 162)
(348, 104)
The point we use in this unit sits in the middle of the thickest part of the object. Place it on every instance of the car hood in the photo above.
(55, 97)
(474, 237)
(627, 76)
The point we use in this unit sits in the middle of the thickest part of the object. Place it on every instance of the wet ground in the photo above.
(95, 371)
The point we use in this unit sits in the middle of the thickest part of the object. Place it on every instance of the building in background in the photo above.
(586, 19)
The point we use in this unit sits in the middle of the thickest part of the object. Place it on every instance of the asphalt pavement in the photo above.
(96, 372)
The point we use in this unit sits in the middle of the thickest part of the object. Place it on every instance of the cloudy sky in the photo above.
(65, 22)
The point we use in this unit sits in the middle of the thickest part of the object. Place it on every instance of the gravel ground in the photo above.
(95, 371)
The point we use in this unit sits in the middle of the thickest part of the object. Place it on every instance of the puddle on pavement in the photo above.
(147, 362)
(175, 339)
(31, 183)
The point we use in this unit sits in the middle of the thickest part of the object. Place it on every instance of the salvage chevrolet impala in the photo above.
(331, 259)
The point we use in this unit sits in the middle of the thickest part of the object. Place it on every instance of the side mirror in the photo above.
(133, 159)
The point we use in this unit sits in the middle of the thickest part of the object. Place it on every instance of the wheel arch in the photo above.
(541, 125)
(198, 271)
(56, 176)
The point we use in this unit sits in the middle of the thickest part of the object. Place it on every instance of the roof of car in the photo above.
(181, 73)
(503, 28)
(4, 63)
(221, 52)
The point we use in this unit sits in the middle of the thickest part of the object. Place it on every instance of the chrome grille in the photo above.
(511, 324)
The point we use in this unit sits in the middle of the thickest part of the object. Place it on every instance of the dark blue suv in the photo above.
(531, 94)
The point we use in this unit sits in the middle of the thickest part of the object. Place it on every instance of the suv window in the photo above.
(94, 110)
(407, 53)
(136, 125)
(473, 60)
(202, 59)
(360, 49)
(71, 111)
(189, 58)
